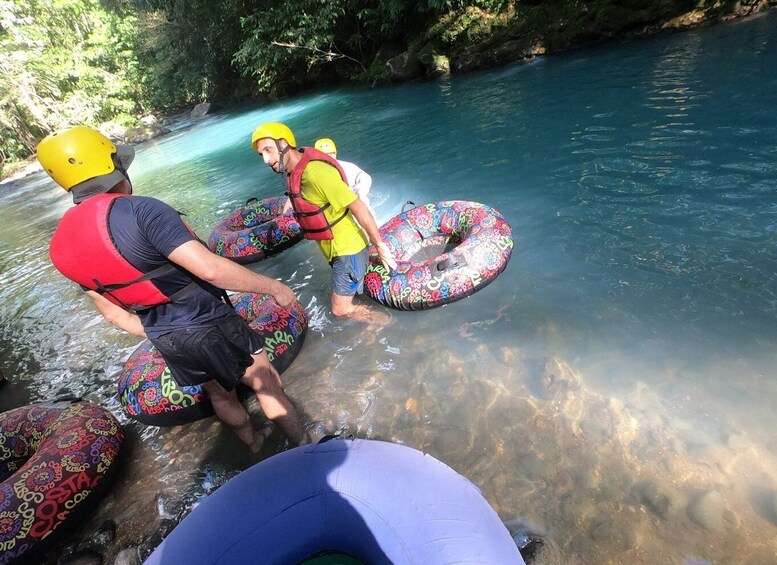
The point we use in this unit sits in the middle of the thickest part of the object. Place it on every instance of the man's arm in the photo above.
(117, 315)
(367, 222)
(226, 274)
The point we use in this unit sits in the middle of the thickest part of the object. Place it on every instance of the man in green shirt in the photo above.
(330, 213)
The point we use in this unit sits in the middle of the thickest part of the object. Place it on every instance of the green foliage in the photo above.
(289, 44)
(287, 40)
(185, 48)
(493, 6)
(64, 62)
(381, 16)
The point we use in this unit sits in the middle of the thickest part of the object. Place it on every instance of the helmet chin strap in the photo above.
(281, 165)
(281, 153)
(123, 170)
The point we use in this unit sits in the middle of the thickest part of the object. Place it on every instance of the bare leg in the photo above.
(344, 306)
(264, 380)
(229, 410)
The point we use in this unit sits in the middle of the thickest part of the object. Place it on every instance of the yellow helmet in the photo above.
(326, 145)
(273, 130)
(75, 155)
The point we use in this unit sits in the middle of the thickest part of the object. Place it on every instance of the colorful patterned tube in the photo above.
(445, 251)
(56, 460)
(151, 396)
(256, 231)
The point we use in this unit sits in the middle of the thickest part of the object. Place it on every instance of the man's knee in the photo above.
(261, 376)
(215, 390)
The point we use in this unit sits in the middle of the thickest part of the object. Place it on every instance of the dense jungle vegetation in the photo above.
(111, 61)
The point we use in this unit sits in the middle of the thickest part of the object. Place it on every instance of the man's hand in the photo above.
(367, 222)
(284, 296)
(385, 256)
(117, 315)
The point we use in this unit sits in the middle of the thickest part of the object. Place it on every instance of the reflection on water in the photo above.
(611, 391)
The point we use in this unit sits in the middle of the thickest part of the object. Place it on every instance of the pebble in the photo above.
(707, 511)
(104, 537)
(610, 531)
(655, 499)
(127, 556)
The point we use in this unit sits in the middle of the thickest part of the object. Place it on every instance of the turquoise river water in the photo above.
(614, 389)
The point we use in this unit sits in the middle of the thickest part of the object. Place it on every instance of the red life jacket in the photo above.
(82, 249)
(311, 218)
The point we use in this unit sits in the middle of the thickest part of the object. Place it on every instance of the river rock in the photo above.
(127, 556)
(436, 63)
(707, 511)
(605, 529)
(103, 537)
(200, 110)
(405, 66)
(487, 58)
(655, 499)
(144, 133)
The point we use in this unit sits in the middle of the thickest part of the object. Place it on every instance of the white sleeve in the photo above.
(359, 181)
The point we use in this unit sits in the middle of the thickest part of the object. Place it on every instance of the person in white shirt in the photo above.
(359, 181)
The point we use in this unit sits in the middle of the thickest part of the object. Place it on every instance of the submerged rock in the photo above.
(127, 556)
(144, 133)
(708, 511)
(653, 498)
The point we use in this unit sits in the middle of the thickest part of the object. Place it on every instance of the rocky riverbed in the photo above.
(624, 475)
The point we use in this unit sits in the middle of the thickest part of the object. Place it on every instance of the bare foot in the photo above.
(370, 316)
(260, 437)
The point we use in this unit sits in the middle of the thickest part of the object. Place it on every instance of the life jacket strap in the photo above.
(328, 226)
(158, 272)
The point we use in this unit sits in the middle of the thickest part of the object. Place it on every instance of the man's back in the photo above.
(145, 230)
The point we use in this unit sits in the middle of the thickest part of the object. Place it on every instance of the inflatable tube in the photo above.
(444, 251)
(375, 501)
(55, 460)
(151, 396)
(256, 231)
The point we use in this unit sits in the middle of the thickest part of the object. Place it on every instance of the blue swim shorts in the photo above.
(348, 273)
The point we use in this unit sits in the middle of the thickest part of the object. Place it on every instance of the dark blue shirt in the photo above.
(145, 231)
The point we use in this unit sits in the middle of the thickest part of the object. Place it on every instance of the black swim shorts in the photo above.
(221, 352)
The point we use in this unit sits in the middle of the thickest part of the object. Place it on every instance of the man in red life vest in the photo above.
(328, 212)
(149, 275)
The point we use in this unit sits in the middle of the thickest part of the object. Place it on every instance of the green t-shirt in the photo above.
(321, 184)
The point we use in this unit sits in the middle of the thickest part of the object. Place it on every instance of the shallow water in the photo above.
(612, 390)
